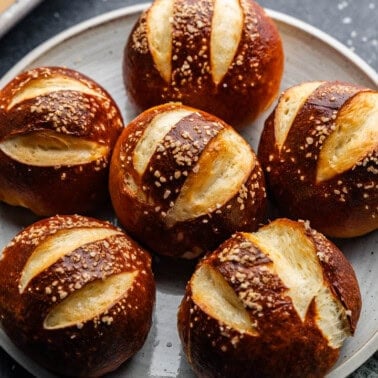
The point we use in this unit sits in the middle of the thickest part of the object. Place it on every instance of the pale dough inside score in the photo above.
(295, 262)
(49, 148)
(223, 168)
(159, 36)
(90, 301)
(355, 136)
(224, 39)
(56, 246)
(44, 86)
(225, 36)
(289, 104)
(153, 135)
(216, 298)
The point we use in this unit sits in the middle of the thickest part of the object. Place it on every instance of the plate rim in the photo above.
(368, 349)
(327, 39)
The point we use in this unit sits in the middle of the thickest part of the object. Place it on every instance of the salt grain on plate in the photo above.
(342, 5)
(347, 20)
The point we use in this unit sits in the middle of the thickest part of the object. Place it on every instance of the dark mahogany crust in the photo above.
(67, 188)
(281, 345)
(143, 213)
(99, 345)
(249, 86)
(345, 205)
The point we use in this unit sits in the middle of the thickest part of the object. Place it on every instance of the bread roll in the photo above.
(275, 303)
(76, 294)
(58, 129)
(221, 56)
(319, 150)
(181, 181)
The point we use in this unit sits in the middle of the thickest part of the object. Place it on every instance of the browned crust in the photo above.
(46, 190)
(245, 91)
(92, 348)
(343, 206)
(145, 219)
(66, 188)
(283, 345)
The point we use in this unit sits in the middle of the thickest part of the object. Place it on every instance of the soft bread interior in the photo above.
(296, 263)
(332, 321)
(215, 297)
(153, 135)
(222, 168)
(226, 30)
(288, 106)
(44, 86)
(355, 136)
(90, 301)
(159, 36)
(58, 245)
(49, 148)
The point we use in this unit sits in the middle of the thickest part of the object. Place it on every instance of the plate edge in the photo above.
(329, 40)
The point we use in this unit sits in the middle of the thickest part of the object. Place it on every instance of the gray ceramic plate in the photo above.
(95, 48)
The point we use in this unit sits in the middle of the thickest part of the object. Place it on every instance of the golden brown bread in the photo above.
(319, 150)
(58, 129)
(181, 181)
(76, 294)
(275, 303)
(224, 57)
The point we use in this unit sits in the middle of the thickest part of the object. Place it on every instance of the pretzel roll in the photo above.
(222, 56)
(57, 132)
(275, 303)
(76, 295)
(319, 150)
(182, 181)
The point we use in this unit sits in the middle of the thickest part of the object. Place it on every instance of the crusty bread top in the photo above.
(334, 123)
(355, 137)
(79, 268)
(186, 162)
(319, 148)
(288, 106)
(220, 56)
(54, 115)
(285, 267)
(167, 20)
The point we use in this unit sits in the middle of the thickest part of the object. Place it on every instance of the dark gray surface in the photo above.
(354, 23)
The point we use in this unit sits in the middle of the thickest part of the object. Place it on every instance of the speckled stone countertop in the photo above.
(352, 22)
